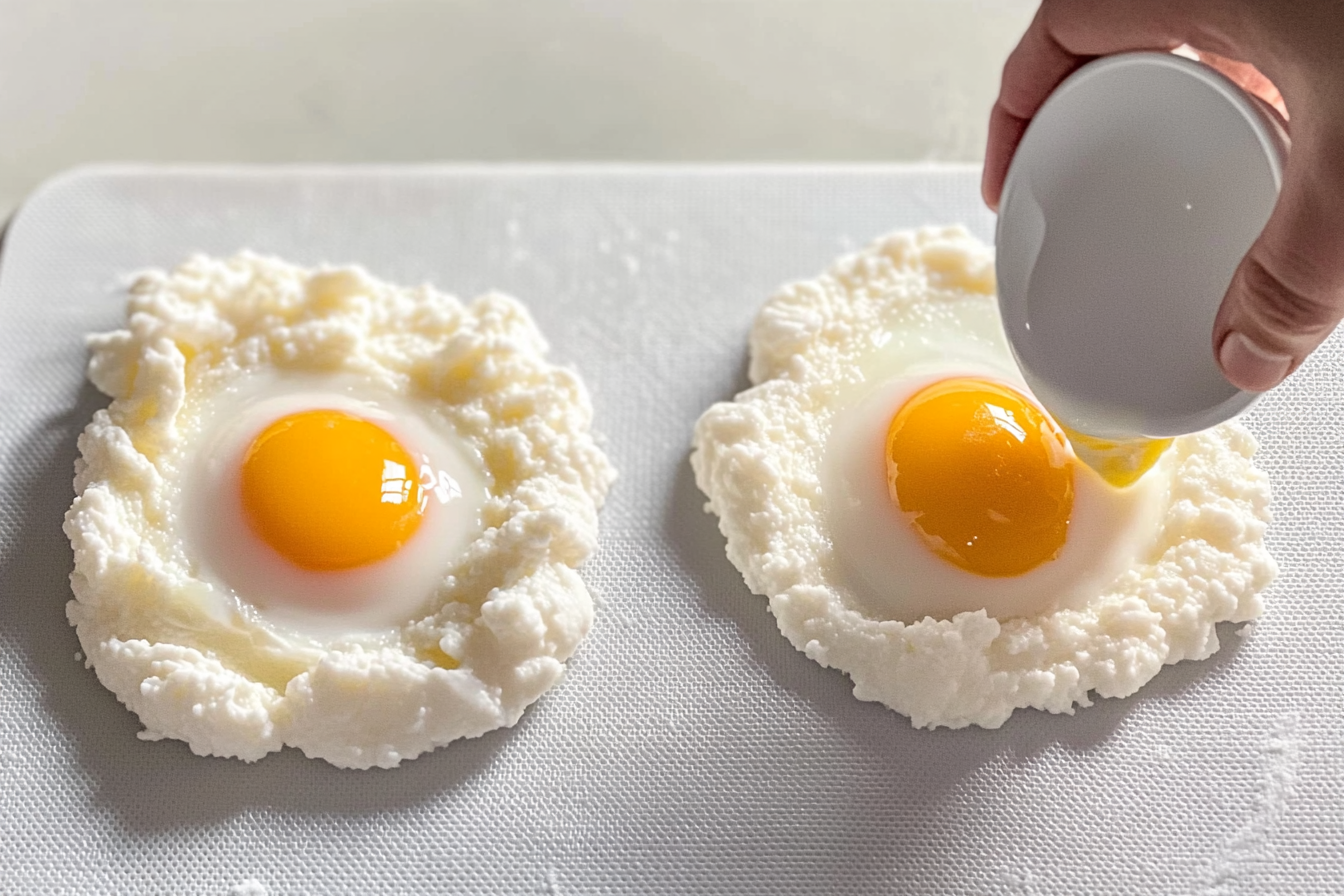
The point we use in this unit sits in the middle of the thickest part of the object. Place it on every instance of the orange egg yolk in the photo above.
(330, 491)
(984, 476)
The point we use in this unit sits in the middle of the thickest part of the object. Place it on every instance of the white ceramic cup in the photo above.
(1134, 194)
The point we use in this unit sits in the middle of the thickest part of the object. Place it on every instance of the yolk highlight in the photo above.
(985, 476)
(330, 491)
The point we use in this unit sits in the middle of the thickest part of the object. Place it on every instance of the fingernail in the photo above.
(1250, 366)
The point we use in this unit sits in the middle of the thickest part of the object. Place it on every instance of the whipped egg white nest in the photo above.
(209, 635)
(794, 469)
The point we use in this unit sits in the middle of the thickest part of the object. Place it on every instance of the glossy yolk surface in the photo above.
(984, 476)
(330, 491)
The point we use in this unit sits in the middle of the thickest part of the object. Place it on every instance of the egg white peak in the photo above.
(794, 469)
(181, 622)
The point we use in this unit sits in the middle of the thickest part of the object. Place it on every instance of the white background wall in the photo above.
(415, 80)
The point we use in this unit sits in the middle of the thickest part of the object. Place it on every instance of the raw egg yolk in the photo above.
(330, 491)
(1120, 462)
(985, 477)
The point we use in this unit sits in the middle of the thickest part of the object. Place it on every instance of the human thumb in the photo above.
(1288, 292)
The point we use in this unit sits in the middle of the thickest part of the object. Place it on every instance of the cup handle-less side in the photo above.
(1017, 249)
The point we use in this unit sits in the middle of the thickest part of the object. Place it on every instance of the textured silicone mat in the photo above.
(690, 750)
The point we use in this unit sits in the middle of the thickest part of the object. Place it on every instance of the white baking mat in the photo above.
(690, 750)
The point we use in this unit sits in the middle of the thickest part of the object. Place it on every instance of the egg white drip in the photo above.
(249, 576)
(885, 564)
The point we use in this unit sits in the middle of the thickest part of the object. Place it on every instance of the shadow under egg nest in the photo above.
(153, 786)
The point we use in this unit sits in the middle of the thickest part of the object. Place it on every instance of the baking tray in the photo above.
(690, 749)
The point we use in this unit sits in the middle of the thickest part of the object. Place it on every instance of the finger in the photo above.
(1248, 78)
(1035, 68)
(1063, 36)
(1089, 28)
(1005, 133)
(1287, 294)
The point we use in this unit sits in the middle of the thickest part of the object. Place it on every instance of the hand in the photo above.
(1287, 294)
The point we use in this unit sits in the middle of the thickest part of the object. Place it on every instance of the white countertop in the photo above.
(482, 80)
(690, 750)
